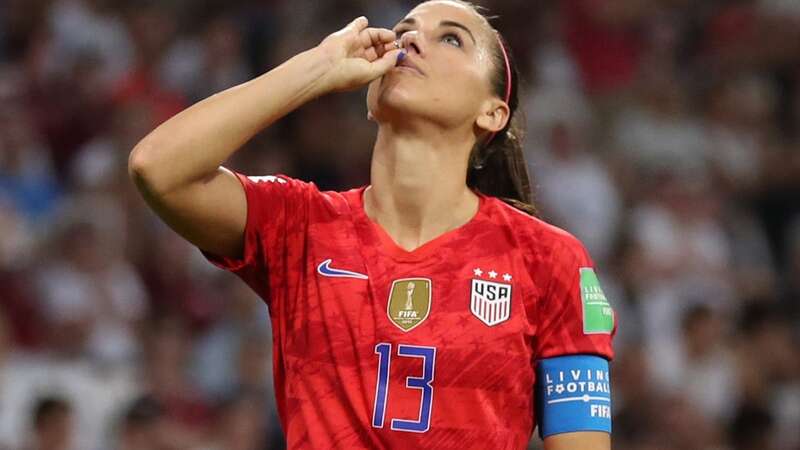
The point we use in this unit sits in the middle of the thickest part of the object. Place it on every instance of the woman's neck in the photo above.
(418, 185)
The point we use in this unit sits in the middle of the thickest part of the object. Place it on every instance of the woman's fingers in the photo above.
(360, 54)
(389, 47)
(377, 68)
(376, 38)
(371, 54)
(381, 35)
(380, 41)
(359, 24)
(382, 65)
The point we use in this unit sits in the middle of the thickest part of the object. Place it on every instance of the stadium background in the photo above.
(663, 133)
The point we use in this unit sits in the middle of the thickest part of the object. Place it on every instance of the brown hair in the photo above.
(497, 164)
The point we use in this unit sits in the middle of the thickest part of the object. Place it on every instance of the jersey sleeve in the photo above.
(275, 231)
(574, 316)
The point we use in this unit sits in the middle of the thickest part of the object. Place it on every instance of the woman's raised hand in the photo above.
(177, 166)
(358, 55)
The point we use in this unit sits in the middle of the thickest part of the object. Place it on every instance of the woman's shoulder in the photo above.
(303, 194)
(533, 233)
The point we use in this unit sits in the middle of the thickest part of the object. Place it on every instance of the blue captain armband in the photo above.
(573, 393)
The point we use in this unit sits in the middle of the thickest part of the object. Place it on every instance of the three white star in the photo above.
(492, 274)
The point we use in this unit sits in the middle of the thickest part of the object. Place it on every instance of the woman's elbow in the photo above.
(143, 167)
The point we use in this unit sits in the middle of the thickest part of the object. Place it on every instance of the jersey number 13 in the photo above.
(428, 355)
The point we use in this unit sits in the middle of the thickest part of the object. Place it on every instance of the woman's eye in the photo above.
(399, 33)
(452, 39)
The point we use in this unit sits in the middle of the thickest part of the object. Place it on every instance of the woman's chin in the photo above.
(397, 99)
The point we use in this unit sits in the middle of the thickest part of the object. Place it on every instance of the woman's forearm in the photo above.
(177, 166)
(195, 142)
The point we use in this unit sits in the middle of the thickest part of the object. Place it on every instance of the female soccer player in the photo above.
(428, 310)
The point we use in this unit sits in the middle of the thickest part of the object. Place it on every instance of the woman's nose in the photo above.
(412, 42)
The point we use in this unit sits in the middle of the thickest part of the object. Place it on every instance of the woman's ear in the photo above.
(370, 117)
(494, 116)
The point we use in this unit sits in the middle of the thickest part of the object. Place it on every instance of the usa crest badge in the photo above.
(409, 302)
(490, 301)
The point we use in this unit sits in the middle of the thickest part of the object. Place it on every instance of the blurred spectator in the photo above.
(94, 394)
(187, 413)
(52, 425)
(178, 287)
(605, 39)
(739, 114)
(88, 284)
(152, 31)
(13, 381)
(657, 134)
(682, 254)
(242, 424)
(26, 171)
(770, 368)
(101, 164)
(221, 61)
(17, 301)
(234, 352)
(16, 238)
(577, 191)
(90, 27)
(142, 426)
(701, 367)
(752, 429)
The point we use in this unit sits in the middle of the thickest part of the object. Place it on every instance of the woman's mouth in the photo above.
(404, 62)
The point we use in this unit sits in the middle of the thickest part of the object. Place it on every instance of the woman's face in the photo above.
(445, 76)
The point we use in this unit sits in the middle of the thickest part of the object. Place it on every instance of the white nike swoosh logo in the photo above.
(324, 268)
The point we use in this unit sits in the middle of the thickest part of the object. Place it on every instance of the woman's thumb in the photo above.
(384, 63)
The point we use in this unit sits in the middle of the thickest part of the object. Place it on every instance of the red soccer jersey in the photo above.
(376, 347)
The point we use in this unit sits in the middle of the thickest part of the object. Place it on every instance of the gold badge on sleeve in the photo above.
(409, 302)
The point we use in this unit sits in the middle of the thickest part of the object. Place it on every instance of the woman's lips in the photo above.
(406, 63)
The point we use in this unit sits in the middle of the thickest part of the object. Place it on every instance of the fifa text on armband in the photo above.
(603, 411)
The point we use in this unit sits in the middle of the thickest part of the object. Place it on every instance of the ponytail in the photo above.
(497, 165)
(499, 170)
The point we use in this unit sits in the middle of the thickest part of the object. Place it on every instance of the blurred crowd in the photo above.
(665, 134)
